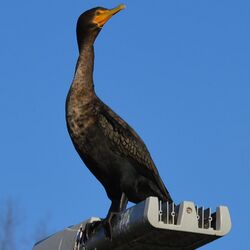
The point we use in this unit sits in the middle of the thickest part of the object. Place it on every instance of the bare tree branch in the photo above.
(11, 237)
(8, 223)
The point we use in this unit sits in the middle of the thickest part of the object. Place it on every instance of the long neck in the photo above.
(83, 86)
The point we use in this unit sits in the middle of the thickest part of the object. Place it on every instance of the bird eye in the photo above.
(98, 13)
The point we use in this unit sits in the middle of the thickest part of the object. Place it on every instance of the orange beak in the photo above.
(104, 15)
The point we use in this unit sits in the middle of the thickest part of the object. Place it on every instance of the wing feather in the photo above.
(128, 143)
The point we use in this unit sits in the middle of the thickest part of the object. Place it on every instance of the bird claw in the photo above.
(90, 229)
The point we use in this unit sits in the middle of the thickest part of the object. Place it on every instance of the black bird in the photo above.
(108, 146)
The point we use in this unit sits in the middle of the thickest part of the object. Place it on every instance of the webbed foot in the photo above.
(107, 224)
(90, 229)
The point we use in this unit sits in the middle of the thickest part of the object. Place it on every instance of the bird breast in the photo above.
(80, 117)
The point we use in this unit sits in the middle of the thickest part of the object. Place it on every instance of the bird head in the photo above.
(91, 21)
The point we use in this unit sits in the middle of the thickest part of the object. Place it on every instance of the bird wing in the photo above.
(128, 143)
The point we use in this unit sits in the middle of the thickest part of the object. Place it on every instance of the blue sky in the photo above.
(177, 71)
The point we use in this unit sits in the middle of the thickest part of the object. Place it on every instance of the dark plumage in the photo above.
(108, 146)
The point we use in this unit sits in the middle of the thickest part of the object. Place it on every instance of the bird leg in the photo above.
(116, 207)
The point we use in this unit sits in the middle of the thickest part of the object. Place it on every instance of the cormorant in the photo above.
(108, 146)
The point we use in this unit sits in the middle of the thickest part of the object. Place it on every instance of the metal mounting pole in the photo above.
(149, 225)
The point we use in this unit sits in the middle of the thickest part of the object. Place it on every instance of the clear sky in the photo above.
(177, 71)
